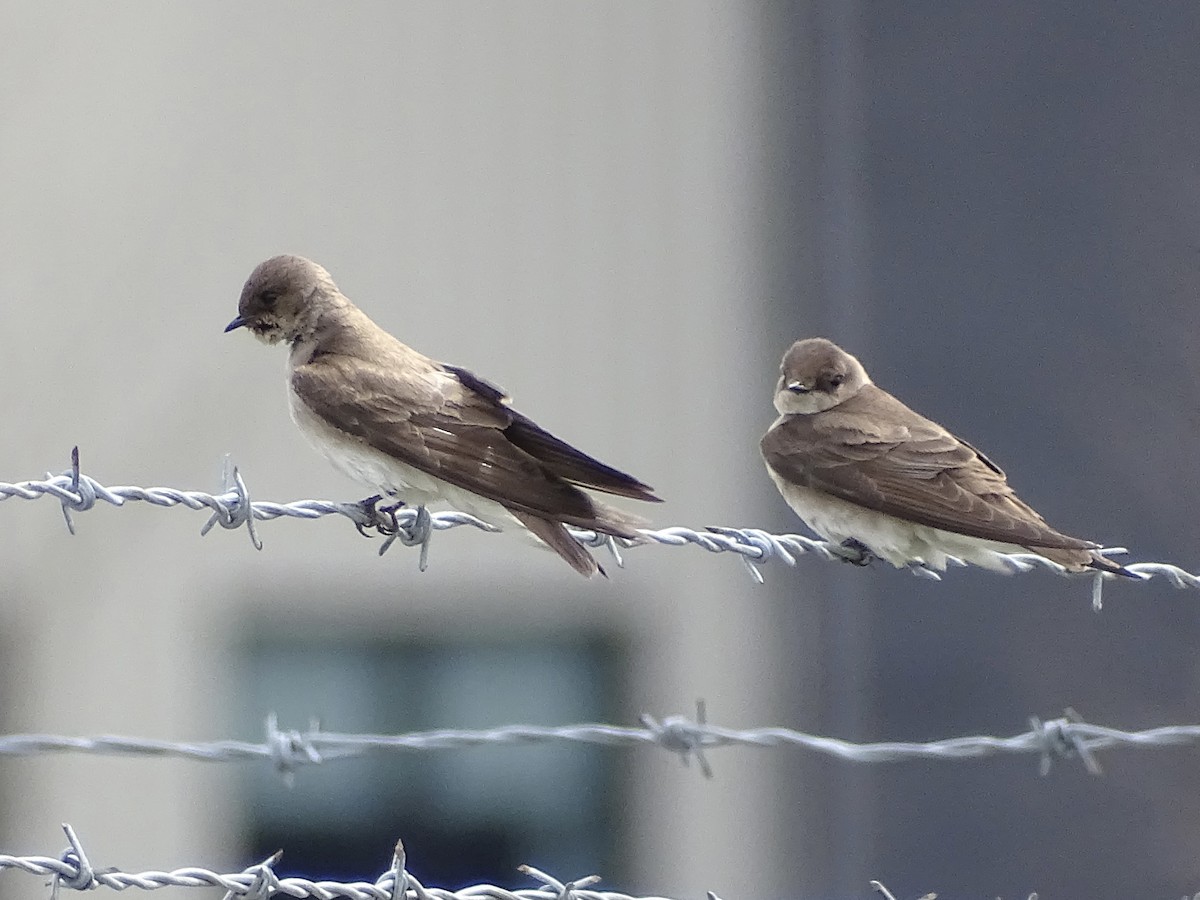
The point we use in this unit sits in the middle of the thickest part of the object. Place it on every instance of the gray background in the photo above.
(623, 214)
(1002, 217)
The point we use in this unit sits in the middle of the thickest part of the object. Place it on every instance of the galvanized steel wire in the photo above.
(233, 508)
(74, 871)
(1065, 737)
(691, 738)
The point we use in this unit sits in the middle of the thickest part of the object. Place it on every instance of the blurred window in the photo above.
(465, 816)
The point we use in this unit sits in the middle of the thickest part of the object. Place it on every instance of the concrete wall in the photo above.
(561, 198)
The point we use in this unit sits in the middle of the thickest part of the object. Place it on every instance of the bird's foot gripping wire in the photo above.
(855, 552)
(381, 518)
(414, 531)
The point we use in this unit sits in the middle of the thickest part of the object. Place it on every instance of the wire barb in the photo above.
(679, 735)
(397, 881)
(233, 508)
(84, 877)
(1061, 738)
(289, 750)
(85, 496)
(264, 881)
(566, 890)
(236, 512)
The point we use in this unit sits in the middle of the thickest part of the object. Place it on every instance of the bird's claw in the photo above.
(391, 526)
(857, 553)
(381, 518)
(370, 514)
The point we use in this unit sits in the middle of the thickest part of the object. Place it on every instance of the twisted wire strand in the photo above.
(73, 870)
(233, 508)
(1066, 737)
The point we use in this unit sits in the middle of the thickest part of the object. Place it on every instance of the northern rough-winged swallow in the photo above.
(406, 425)
(863, 469)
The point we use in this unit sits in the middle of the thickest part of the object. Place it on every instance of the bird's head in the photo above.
(817, 375)
(283, 298)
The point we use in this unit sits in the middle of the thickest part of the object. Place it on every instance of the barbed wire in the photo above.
(233, 508)
(73, 870)
(1066, 737)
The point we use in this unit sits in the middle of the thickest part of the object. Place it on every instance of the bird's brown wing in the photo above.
(433, 422)
(875, 452)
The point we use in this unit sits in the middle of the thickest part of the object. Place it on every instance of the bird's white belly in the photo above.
(386, 474)
(899, 542)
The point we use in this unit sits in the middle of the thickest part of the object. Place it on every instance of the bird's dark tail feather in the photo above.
(1082, 560)
(560, 541)
(1104, 564)
(570, 464)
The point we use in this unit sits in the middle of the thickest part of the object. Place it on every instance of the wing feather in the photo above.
(556, 455)
(874, 451)
(454, 429)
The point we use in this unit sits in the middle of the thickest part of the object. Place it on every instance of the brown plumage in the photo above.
(843, 449)
(404, 423)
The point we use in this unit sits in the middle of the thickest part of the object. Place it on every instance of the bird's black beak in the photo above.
(795, 387)
(235, 324)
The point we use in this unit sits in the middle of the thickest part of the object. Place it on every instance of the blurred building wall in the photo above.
(562, 198)
(1003, 207)
(623, 214)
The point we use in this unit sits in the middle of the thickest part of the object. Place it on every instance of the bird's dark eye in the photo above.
(268, 299)
(836, 380)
